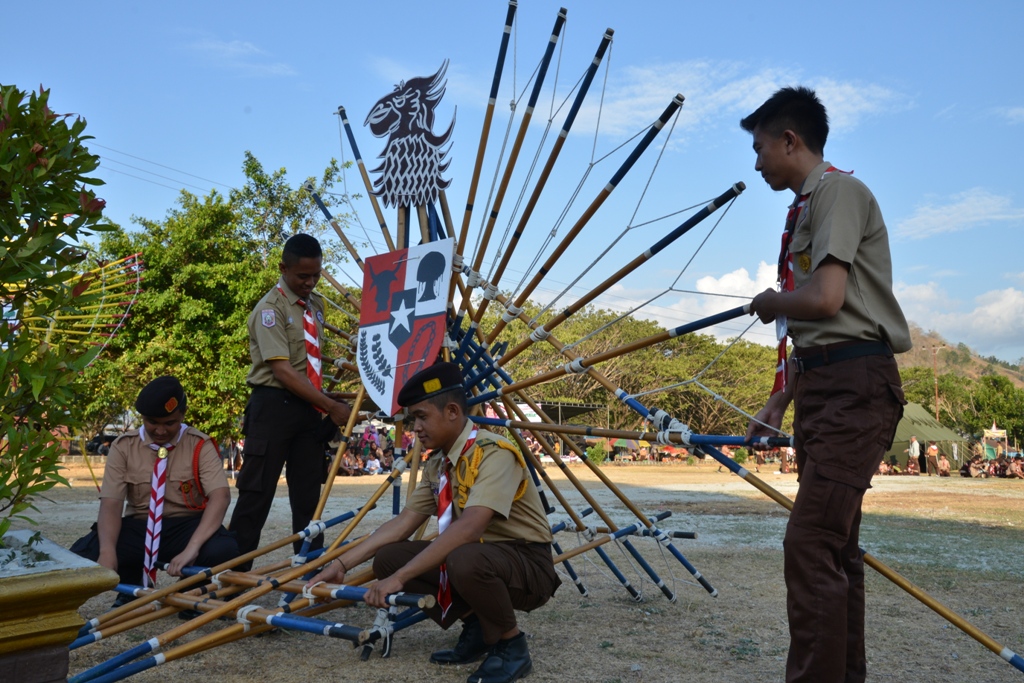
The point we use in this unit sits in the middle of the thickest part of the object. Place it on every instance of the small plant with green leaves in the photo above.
(597, 454)
(47, 207)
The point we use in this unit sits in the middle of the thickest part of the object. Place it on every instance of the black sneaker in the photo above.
(471, 645)
(509, 660)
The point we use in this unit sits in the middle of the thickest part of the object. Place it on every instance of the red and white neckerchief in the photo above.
(787, 284)
(314, 367)
(444, 518)
(154, 521)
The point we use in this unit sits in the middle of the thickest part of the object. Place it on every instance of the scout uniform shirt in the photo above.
(497, 482)
(129, 473)
(842, 219)
(275, 333)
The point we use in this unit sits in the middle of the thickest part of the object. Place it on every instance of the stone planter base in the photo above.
(39, 601)
(42, 665)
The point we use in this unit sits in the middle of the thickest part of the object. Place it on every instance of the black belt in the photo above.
(818, 356)
(276, 391)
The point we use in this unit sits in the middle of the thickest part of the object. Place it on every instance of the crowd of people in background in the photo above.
(931, 461)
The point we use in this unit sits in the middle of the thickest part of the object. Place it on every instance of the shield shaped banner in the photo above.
(402, 322)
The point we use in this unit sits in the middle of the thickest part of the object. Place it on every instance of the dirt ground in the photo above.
(960, 540)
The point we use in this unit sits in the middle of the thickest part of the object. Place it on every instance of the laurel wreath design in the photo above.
(378, 357)
(364, 363)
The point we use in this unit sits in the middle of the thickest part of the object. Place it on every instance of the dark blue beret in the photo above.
(429, 382)
(161, 397)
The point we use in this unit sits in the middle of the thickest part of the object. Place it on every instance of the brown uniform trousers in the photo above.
(846, 416)
(489, 579)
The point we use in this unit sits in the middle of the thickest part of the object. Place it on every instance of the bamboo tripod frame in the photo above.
(225, 591)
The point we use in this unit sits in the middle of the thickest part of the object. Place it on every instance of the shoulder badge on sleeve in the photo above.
(268, 317)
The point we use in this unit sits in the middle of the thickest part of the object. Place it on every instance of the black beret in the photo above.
(429, 382)
(161, 397)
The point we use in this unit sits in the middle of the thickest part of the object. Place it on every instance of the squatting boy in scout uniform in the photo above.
(496, 551)
(283, 419)
(196, 494)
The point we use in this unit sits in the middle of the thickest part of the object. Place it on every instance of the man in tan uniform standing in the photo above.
(283, 420)
(195, 499)
(837, 305)
(495, 553)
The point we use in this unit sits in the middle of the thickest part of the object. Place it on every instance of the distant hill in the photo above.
(953, 357)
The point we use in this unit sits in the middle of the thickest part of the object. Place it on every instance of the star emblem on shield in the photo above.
(402, 330)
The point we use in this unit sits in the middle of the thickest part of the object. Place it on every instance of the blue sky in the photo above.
(927, 108)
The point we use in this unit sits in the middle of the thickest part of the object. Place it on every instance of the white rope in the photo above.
(511, 312)
(307, 591)
(490, 291)
(216, 580)
(242, 616)
(539, 334)
(574, 368)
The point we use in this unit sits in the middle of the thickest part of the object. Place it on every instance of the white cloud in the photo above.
(720, 92)
(972, 208)
(991, 326)
(712, 295)
(1012, 114)
(241, 56)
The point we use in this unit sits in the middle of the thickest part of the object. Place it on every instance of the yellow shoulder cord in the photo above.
(469, 467)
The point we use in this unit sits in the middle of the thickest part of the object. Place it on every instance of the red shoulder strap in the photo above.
(195, 470)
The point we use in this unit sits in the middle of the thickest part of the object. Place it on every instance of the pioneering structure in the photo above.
(426, 298)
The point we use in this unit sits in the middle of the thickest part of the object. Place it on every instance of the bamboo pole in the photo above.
(366, 179)
(581, 223)
(334, 224)
(517, 144)
(336, 461)
(421, 215)
(545, 173)
(590, 361)
(485, 132)
(625, 270)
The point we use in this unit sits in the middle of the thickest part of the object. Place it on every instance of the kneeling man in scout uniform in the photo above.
(493, 553)
(187, 516)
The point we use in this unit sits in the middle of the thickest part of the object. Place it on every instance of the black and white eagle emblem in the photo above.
(414, 157)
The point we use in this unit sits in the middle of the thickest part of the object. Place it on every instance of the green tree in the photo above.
(207, 263)
(45, 208)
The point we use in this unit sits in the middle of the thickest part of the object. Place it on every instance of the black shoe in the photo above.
(509, 660)
(471, 645)
(121, 600)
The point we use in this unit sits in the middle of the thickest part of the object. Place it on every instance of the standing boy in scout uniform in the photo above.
(283, 423)
(496, 552)
(836, 303)
(196, 494)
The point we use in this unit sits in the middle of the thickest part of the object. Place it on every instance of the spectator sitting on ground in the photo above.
(943, 465)
(883, 467)
(373, 464)
(912, 467)
(977, 468)
(1015, 468)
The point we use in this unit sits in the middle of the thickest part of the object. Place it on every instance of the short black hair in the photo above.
(299, 246)
(797, 109)
(456, 396)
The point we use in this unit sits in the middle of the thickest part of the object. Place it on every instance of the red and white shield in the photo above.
(402, 322)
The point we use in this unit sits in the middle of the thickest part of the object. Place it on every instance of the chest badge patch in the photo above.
(804, 261)
(268, 317)
(320, 317)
